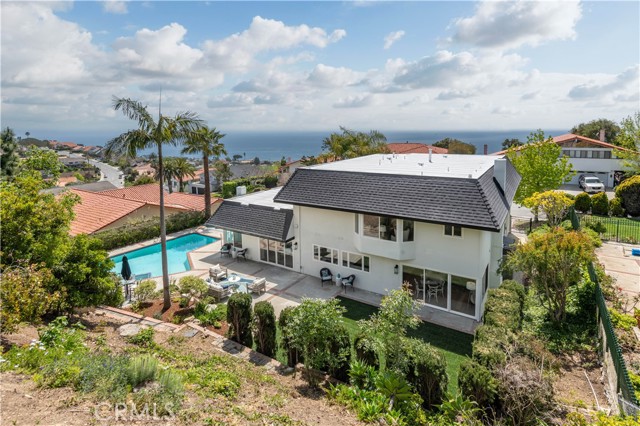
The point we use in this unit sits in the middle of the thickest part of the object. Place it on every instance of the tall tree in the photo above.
(351, 144)
(508, 143)
(206, 141)
(456, 146)
(540, 164)
(44, 162)
(8, 155)
(153, 133)
(222, 172)
(593, 127)
(183, 169)
(629, 138)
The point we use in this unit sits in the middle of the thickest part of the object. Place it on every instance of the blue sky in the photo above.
(318, 65)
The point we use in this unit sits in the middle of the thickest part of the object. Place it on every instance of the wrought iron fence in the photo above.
(613, 228)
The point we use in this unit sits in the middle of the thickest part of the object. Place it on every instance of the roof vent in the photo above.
(430, 152)
(470, 175)
(421, 164)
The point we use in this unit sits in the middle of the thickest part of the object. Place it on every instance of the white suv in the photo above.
(591, 184)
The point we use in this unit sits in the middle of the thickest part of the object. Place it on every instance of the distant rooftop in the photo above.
(262, 198)
(441, 165)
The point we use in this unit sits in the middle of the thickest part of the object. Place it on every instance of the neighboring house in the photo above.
(102, 185)
(415, 148)
(195, 185)
(436, 222)
(145, 170)
(590, 157)
(75, 161)
(62, 145)
(113, 208)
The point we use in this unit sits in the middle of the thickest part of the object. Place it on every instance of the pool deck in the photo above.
(284, 287)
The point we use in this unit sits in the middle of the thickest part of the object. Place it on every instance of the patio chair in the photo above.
(225, 250)
(218, 292)
(241, 254)
(216, 273)
(259, 285)
(325, 276)
(432, 291)
(348, 281)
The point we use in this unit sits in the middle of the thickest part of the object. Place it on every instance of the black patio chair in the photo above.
(348, 281)
(325, 276)
(225, 250)
(242, 254)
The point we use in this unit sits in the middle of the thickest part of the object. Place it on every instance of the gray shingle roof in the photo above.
(259, 221)
(473, 203)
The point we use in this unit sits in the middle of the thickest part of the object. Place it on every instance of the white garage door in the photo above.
(603, 176)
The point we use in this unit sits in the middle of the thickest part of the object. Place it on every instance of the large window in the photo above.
(453, 230)
(324, 254)
(382, 227)
(276, 252)
(355, 261)
(463, 295)
(234, 238)
(407, 230)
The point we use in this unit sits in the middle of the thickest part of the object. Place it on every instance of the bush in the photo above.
(622, 320)
(365, 351)
(210, 317)
(239, 318)
(293, 356)
(193, 286)
(271, 181)
(583, 202)
(629, 192)
(229, 187)
(145, 291)
(143, 338)
(477, 383)
(597, 226)
(600, 204)
(142, 369)
(426, 371)
(491, 344)
(615, 207)
(264, 328)
(516, 288)
(340, 343)
(503, 308)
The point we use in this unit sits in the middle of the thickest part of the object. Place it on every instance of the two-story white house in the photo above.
(435, 222)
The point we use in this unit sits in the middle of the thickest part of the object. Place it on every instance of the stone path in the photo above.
(189, 330)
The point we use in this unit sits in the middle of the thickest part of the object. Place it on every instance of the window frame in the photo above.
(334, 254)
(345, 261)
(453, 233)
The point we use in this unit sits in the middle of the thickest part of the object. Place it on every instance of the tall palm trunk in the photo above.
(207, 189)
(163, 239)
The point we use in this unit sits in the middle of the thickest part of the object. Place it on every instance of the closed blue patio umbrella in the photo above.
(126, 269)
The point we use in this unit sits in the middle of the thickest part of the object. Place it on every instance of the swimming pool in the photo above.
(147, 260)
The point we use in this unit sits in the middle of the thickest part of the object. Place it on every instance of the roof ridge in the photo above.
(485, 199)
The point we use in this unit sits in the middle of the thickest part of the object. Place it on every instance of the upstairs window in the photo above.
(453, 231)
(382, 227)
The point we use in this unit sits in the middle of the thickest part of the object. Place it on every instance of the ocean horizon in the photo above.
(292, 145)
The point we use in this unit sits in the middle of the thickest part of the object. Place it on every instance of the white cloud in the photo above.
(511, 24)
(392, 37)
(620, 86)
(115, 6)
(448, 95)
(327, 76)
(356, 101)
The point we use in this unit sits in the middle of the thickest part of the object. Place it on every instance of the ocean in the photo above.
(272, 145)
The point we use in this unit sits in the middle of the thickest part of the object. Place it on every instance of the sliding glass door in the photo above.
(276, 252)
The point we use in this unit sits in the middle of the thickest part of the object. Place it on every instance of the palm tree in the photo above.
(152, 133)
(183, 169)
(205, 141)
(222, 171)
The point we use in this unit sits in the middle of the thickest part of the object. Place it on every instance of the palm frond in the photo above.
(128, 143)
(134, 110)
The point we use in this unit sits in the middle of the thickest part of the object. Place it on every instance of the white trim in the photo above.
(444, 231)
(347, 252)
(318, 259)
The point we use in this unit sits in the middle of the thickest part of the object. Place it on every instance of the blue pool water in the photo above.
(148, 259)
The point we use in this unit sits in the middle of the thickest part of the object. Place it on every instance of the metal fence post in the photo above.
(530, 224)
(617, 230)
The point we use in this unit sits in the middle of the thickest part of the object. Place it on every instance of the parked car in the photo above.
(590, 184)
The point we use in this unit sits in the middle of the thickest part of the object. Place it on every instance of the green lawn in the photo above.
(618, 228)
(455, 345)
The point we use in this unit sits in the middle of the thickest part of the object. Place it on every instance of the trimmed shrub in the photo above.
(600, 204)
(517, 288)
(229, 187)
(597, 226)
(477, 383)
(193, 286)
(503, 309)
(145, 291)
(426, 371)
(271, 181)
(629, 192)
(615, 207)
(583, 202)
(293, 356)
(264, 328)
(340, 343)
(239, 318)
(491, 344)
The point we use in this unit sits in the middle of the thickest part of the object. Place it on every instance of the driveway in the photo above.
(110, 173)
(621, 265)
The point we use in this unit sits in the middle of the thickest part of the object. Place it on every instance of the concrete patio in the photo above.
(285, 287)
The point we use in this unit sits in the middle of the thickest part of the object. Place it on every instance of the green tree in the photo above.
(593, 127)
(256, 161)
(206, 141)
(351, 144)
(183, 169)
(508, 143)
(540, 165)
(554, 262)
(386, 328)
(222, 172)
(153, 133)
(237, 157)
(44, 162)
(310, 330)
(456, 146)
(554, 204)
(143, 180)
(629, 138)
(8, 155)
(169, 172)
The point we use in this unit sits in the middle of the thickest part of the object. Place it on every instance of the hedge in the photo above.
(132, 233)
(476, 382)
(490, 345)
(426, 372)
(264, 328)
(615, 207)
(239, 318)
(583, 202)
(340, 342)
(293, 356)
(629, 192)
(600, 204)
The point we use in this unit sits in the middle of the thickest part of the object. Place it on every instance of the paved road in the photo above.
(110, 173)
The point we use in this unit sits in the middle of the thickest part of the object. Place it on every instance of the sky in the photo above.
(277, 66)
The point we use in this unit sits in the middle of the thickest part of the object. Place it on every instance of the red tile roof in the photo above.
(568, 137)
(150, 194)
(415, 148)
(95, 211)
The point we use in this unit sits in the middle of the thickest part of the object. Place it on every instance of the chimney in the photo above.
(500, 172)
(430, 152)
(602, 135)
(486, 149)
